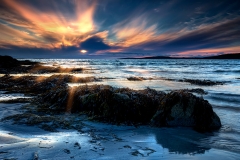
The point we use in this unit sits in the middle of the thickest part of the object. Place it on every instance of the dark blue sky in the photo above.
(118, 28)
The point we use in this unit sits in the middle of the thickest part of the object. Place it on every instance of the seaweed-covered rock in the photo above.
(180, 108)
(52, 95)
(123, 105)
(39, 84)
(114, 107)
(9, 65)
(135, 78)
(202, 82)
(103, 103)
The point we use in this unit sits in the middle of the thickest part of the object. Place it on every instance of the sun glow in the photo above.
(83, 51)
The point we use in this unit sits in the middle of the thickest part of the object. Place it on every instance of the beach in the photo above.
(219, 79)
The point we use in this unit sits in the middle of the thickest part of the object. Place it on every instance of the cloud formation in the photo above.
(130, 28)
(94, 44)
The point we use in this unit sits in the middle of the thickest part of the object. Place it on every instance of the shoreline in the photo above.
(105, 141)
(106, 103)
(124, 139)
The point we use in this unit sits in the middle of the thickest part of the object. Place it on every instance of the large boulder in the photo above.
(117, 106)
(181, 108)
(102, 103)
(106, 105)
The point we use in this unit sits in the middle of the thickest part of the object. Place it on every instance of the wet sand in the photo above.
(103, 141)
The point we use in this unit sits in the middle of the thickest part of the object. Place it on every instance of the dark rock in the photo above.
(52, 96)
(118, 107)
(121, 96)
(196, 81)
(180, 108)
(135, 78)
(67, 151)
(35, 156)
(139, 78)
(197, 90)
(77, 145)
(103, 103)
(38, 84)
(202, 82)
(9, 65)
(8, 62)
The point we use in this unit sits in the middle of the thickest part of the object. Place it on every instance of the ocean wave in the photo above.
(226, 99)
(233, 71)
(227, 107)
(221, 71)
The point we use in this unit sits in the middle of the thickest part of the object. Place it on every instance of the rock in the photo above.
(180, 108)
(8, 62)
(121, 96)
(35, 156)
(108, 106)
(198, 91)
(131, 107)
(202, 82)
(196, 81)
(77, 145)
(67, 151)
(104, 103)
(135, 78)
(9, 65)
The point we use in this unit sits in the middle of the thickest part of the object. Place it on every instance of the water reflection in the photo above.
(182, 141)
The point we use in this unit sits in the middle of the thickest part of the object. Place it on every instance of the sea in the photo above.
(164, 75)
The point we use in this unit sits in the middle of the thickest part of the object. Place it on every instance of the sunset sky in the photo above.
(118, 28)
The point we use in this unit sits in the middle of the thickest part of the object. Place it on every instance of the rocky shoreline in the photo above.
(52, 96)
(197, 81)
(104, 103)
(9, 65)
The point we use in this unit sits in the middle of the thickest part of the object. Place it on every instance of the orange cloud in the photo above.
(58, 27)
(137, 31)
(111, 51)
(11, 36)
(53, 29)
(134, 31)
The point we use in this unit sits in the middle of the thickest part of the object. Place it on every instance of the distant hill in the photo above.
(9, 62)
(153, 57)
(223, 56)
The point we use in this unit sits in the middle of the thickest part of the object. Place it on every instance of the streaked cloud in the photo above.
(128, 28)
(134, 31)
(49, 27)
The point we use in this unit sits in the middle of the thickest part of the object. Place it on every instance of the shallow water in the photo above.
(5, 96)
(225, 99)
(116, 73)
